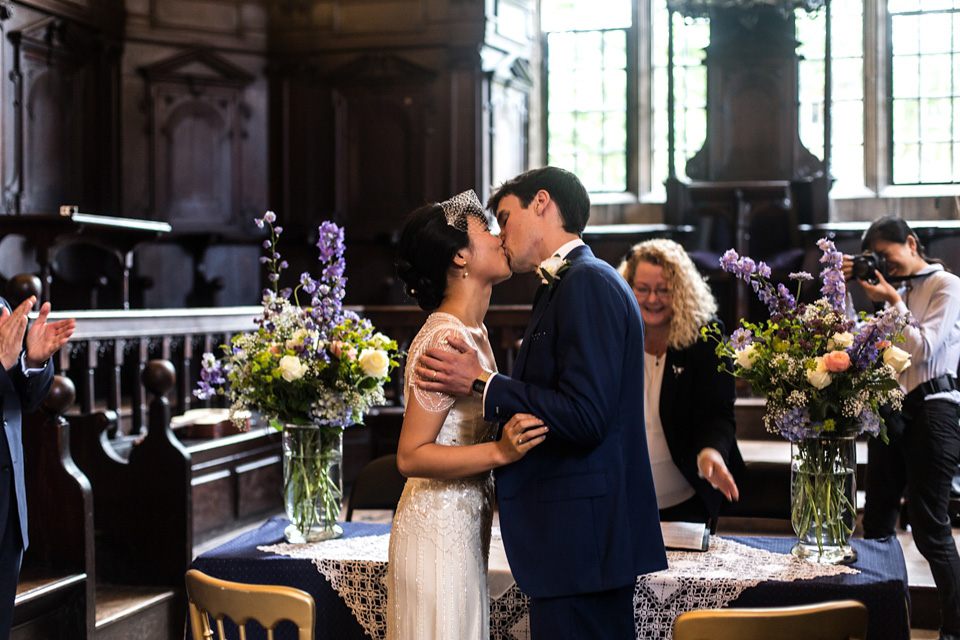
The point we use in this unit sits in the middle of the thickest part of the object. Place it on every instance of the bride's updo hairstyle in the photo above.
(427, 247)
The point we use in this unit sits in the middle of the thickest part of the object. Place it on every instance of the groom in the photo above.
(579, 512)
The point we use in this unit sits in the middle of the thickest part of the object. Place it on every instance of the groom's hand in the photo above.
(450, 372)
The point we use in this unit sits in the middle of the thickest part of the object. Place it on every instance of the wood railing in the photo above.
(109, 349)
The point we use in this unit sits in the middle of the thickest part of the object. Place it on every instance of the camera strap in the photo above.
(940, 384)
(899, 279)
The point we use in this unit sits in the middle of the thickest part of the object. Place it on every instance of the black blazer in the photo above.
(696, 410)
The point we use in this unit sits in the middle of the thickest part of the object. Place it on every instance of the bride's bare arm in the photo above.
(418, 454)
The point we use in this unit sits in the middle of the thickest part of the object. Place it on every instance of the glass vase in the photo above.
(823, 498)
(312, 482)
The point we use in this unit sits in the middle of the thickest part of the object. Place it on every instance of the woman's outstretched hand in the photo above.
(712, 468)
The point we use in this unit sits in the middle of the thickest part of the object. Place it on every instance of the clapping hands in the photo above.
(43, 339)
(12, 326)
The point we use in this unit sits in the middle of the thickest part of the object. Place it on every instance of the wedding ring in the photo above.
(434, 375)
(519, 440)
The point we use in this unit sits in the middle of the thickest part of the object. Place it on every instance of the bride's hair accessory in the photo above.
(457, 208)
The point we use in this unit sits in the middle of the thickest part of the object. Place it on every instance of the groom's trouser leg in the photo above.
(605, 615)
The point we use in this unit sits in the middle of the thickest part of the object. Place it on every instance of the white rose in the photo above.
(291, 368)
(896, 358)
(745, 357)
(840, 341)
(374, 362)
(819, 377)
(552, 264)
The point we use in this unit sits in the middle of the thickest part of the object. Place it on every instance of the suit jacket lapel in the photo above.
(542, 298)
(541, 302)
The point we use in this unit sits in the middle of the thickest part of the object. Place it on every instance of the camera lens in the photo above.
(866, 266)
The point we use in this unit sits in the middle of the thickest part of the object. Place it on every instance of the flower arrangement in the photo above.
(820, 372)
(824, 376)
(318, 366)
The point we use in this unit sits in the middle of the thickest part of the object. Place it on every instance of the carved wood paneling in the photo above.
(196, 122)
(63, 151)
(385, 126)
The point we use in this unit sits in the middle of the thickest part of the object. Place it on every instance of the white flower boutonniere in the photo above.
(677, 371)
(551, 269)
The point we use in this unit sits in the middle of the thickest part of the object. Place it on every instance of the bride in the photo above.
(437, 573)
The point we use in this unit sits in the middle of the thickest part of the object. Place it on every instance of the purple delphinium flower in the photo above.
(787, 300)
(329, 289)
(741, 338)
(213, 375)
(307, 283)
(834, 286)
(749, 271)
(882, 326)
(729, 260)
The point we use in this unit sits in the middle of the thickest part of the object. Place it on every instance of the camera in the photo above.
(868, 262)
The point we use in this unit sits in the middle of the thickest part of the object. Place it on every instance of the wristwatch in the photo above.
(480, 383)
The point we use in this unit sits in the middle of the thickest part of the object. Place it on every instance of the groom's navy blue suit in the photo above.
(579, 512)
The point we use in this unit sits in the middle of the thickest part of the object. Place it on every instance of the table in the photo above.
(694, 580)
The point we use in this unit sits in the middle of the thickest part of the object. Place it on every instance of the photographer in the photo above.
(924, 447)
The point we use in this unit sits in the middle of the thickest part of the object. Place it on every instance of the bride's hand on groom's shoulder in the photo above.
(520, 434)
(450, 371)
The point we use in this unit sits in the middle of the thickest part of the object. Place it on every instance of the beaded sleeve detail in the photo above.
(434, 334)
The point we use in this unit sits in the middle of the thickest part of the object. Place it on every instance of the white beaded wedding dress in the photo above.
(439, 544)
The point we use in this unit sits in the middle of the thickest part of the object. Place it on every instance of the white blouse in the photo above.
(672, 487)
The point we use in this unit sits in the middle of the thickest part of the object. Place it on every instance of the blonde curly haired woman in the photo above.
(688, 403)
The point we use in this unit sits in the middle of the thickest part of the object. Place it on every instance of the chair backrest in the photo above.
(212, 600)
(836, 620)
(378, 486)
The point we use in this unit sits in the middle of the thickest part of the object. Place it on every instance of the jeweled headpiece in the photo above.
(457, 208)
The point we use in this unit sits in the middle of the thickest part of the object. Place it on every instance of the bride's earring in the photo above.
(464, 270)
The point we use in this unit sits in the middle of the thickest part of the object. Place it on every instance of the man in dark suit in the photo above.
(579, 513)
(25, 380)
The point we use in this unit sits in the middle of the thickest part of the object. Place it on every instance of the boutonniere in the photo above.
(551, 270)
(677, 371)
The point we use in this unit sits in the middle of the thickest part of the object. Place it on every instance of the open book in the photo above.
(685, 536)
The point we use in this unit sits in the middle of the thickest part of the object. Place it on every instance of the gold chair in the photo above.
(837, 620)
(214, 599)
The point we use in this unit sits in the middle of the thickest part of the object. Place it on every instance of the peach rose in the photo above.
(836, 361)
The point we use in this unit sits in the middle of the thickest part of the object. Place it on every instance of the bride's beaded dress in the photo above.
(437, 572)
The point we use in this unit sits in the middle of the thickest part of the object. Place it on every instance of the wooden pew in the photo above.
(143, 540)
(155, 496)
(55, 597)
